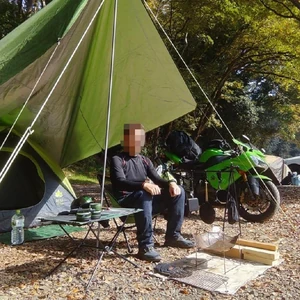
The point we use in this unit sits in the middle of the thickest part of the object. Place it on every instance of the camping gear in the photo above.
(215, 240)
(83, 216)
(232, 210)
(207, 212)
(96, 214)
(181, 144)
(239, 172)
(95, 206)
(112, 213)
(180, 268)
(170, 270)
(278, 169)
(85, 201)
(70, 66)
(32, 184)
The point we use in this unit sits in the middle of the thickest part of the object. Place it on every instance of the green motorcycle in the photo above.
(221, 172)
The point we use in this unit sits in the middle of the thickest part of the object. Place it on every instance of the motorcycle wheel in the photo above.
(263, 207)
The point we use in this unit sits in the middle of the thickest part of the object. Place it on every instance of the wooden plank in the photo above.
(250, 253)
(255, 252)
(255, 244)
(262, 260)
(234, 252)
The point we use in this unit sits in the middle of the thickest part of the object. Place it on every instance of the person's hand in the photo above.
(174, 189)
(152, 188)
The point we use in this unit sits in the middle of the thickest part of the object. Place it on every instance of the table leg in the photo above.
(109, 248)
(70, 253)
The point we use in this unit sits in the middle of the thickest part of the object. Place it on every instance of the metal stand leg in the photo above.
(108, 249)
(95, 269)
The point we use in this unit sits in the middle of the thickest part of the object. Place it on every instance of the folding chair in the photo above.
(111, 201)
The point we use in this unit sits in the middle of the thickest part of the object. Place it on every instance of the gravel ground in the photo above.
(24, 268)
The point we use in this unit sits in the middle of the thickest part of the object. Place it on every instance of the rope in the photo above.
(29, 96)
(15, 153)
(187, 67)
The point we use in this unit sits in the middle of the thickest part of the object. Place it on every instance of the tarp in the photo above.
(147, 86)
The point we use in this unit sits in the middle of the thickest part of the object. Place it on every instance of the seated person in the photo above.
(130, 173)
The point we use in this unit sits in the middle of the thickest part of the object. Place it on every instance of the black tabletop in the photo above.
(106, 214)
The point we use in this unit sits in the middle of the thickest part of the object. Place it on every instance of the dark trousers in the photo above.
(152, 205)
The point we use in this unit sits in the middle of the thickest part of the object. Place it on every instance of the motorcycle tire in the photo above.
(272, 202)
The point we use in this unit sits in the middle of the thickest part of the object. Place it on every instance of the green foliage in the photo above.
(15, 12)
(10, 17)
(85, 171)
(231, 46)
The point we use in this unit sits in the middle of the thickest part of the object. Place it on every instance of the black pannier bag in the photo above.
(181, 144)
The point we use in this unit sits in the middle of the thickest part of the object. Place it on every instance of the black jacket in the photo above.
(128, 173)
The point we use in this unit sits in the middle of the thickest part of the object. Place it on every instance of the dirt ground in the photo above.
(24, 269)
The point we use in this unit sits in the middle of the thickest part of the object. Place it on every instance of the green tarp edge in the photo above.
(37, 35)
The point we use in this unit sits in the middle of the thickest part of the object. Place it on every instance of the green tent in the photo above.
(71, 59)
(147, 86)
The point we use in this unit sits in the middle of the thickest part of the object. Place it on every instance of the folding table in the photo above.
(106, 214)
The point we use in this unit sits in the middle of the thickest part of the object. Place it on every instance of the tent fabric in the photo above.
(147, 86)
(36, 35)
(292, 160)
(32, 186)
(277, 167)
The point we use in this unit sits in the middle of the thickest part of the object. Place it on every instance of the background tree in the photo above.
(247, 59)
(15, 12)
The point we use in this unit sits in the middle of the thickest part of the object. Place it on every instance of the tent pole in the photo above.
(108, 109)
(109, 97)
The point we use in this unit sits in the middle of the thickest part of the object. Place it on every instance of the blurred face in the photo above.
(134, 138)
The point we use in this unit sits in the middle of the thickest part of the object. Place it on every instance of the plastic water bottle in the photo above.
(294, 178)
(17, 228)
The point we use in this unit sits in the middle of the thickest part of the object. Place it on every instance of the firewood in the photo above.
(267, 257)
(255, 244)
(262, 260)
(261, 253)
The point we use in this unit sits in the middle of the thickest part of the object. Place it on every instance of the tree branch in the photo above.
(273, 74)
(291, 14)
